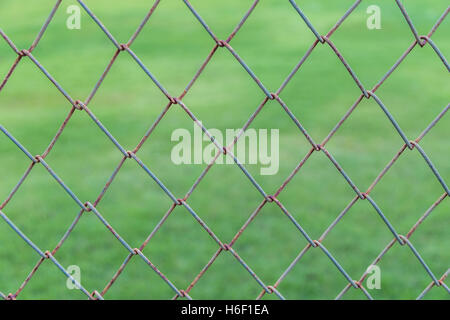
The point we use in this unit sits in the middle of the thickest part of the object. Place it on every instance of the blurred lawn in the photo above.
(173, 45)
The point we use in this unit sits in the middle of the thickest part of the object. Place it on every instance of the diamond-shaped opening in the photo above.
(173, 46)
(181, 259)
(410, 178)
(84, 157)
(359, 150)
(160, 153)
(270, 243)
(86, 51)
(225, 199)
(272, 40)
(317, 194)
(321, 100)
(134, 203)
(315, 277)
(394, 35)
(225, 96)
(128, 102)
(226, 278)
(417, 91)
(31, 107)
(278, 147)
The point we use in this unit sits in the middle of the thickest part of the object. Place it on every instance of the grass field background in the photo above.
(173, 45)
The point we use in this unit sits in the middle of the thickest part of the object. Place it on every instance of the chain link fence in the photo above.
(223, 248)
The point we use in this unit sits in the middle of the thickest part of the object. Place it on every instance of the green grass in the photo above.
(173, 45)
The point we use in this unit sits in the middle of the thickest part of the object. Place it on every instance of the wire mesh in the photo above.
(173, 101)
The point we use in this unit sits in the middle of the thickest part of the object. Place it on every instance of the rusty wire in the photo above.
(78, 105)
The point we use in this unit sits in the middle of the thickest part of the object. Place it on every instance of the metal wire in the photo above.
(77, 105)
